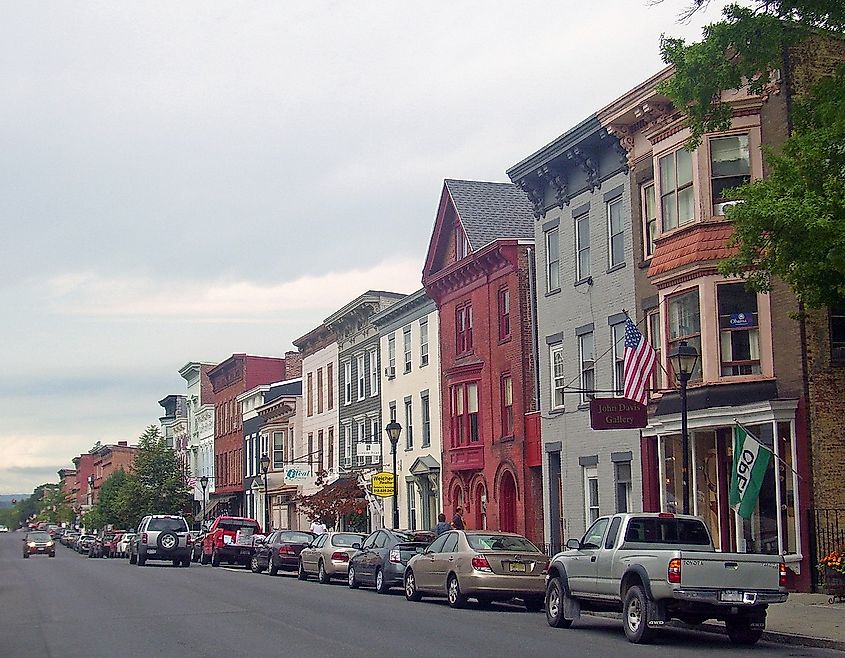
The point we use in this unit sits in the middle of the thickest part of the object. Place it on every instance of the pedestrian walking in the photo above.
(442, 526)
(458, 519)
(317, 526)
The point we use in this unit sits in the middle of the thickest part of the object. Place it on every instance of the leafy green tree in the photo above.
(117, 502)
(161, 485)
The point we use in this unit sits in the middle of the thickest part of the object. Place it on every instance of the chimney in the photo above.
(293, 365)
(122, 443)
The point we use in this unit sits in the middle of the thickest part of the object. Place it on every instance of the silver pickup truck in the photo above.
(656, 567)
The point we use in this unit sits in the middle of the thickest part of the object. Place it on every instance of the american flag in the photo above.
(639, 363)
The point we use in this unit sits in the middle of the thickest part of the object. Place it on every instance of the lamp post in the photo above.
(204, 486)
(91, 489)
(264, 462)
(393, 430)
(684, 360)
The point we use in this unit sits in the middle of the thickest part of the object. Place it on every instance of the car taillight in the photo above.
(782, 577)
(665, 515)
(188, 540)
(674, 574)
(143, 537)
(340, 556)
(546, 568)
(480, 563)
(395, 555)
(284, 549)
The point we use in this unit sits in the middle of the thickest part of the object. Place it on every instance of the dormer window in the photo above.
(462, 247)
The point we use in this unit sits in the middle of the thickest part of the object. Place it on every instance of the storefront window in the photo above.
(706, 479)
(759, 534)
(673, 480)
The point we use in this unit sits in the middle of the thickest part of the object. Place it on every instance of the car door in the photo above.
(581, 563)
(605, 584)
(311, 552)
(424, 563)
(363, 560)
(378, 555)
(444, 561)
(265, 550)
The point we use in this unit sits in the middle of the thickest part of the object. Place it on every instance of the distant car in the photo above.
(38, 542)
(328, 555)
(382, 558)
(83, 544)
(123, 544)
(485, 565)
(163, 537)
(69, 539)
(280, 551)
(110, 546)
(3, 528)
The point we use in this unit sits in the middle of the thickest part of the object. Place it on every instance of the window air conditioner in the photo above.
(719, 208)
(390, 372)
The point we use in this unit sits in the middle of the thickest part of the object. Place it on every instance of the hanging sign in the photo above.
(617, 414)
(381, 484)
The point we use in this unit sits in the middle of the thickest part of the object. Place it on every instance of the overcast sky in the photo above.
(184, 180)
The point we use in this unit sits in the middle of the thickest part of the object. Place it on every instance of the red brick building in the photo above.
(477, 271)
(111, 458)
(235, 375)
(84, 465)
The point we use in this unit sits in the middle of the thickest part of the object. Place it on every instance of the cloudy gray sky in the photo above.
(184, 180)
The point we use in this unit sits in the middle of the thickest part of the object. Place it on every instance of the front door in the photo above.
(581, 564)
(507, 503)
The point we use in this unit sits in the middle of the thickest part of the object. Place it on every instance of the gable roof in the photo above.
(491, 211)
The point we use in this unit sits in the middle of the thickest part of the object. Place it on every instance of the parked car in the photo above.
(3, 528)
(110, 547)
(656, 567)
(382, 557)
(219, 543)
(69, 539)
(328, 556)
(485, 565)
(123, 544)
(83, 544)
(163, 537)
(280, 551)
(38, 542)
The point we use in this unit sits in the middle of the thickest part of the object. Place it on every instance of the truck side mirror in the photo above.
(573, 544)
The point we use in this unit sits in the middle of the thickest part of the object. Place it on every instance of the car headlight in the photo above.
(31, 544)
(50, 543)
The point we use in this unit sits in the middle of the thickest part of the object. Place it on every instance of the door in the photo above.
(310, 554)
(365, 557)
(424, 563)
(265, 550)
(581, 564)
(507, 503)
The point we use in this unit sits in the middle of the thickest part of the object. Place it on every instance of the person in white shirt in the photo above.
(317, 526)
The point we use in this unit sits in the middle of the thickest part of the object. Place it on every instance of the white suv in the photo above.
(162, 537)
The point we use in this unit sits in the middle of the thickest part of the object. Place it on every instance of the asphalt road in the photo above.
(73, 606)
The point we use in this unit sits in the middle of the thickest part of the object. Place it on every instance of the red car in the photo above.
(224, 541)
(110, 546)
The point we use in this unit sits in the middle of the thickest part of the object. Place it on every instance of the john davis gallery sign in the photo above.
(617, 414)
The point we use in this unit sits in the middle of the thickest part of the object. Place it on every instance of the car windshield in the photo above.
(174, 525)
(342, 540)
(652, 530)
(237, 524)
(38, 536)
(501, 543)
(296, 537)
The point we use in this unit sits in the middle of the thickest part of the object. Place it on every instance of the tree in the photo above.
(161, 486)
(117, 502)
(342, 499)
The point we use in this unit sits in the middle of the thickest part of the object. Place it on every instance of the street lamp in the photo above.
(264, 462)
(204, 486)
(684, 359)
(393, 430)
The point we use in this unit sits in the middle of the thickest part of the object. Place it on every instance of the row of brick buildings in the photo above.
(81, 483)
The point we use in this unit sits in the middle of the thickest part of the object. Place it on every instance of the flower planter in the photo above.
(834, 583)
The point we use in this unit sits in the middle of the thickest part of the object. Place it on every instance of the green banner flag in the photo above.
(751, 459)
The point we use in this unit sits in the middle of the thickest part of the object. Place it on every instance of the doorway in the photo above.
(507, 503)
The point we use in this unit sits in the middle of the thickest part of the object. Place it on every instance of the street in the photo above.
(74, 606)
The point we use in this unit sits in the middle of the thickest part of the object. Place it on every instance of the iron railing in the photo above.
(827, 533)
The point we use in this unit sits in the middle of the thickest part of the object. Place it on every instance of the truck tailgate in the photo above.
(739, 571)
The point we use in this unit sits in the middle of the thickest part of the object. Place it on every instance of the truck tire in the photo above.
(740, 632)
(215, 558)
(555, 596)
(635, 616)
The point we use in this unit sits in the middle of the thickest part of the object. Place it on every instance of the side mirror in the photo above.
(357, 546)
(573, 544)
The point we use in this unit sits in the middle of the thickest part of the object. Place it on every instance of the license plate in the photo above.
(245, 552)
(41, 549)
(731, 596)
(517, 567)
(151, 550)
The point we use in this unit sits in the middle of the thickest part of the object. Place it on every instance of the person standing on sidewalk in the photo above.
(458, 519)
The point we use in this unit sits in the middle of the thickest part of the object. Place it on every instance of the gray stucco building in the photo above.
(579, 187)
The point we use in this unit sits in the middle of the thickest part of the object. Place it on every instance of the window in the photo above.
(330, 382)
(393, 412)
(582, 247)
(558, 384)
(685, 324)
(374, 373)
(330, 464)
(319, 390)
(730, 166)
(677, 201)
(591, 495)
(655, 341)
(309, 391)
(617, 337)
(412, 506)
(426, 421)
(423, 342)
(463, 321)
(310, 453)
(464, 408)
(507, 405)
(615, 233)
(347, 382)
(552, 260)
(504, 314)
(391, 355)
(319, 450)
(374, 430)
(837, 333)
(462, 247)
(649, 219)
(278, 451)
(623, 487)
(409, 427)
(362, 376)
(588, 372)
(739, 331)
(406, 342)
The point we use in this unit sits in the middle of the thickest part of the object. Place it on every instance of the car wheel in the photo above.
(635, 616)
(272, 569)
(142, 560)
(176, 563)
(381, 585)
(52, 555)
(300, 572)
(533, 604)
(254, 566)
(740, 632)
(350, 578)
(322, 574)
(411, 591)
(554, 605)
(457, 599)
(26, 556)
(215, 558)
(133, 559)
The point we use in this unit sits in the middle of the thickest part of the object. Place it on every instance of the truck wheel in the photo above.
(215, 558)
(635, 616)
(740, 631)
(554, 605)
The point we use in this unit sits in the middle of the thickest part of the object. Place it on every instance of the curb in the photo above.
(768, 635)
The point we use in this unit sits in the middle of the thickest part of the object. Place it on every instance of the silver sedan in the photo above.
(328, 555)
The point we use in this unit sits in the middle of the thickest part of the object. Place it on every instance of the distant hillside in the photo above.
(6, 499)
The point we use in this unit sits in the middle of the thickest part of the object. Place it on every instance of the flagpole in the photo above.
(771, 450)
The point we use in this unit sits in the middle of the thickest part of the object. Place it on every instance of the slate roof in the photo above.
(703, 242)
(289, 388)
(491, 211)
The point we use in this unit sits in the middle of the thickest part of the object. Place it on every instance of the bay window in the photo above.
(739, 331)
(685, 324)
(278, 451)
(730, 166)
(677, 198)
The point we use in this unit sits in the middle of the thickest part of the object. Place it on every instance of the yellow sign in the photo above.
(381, 484)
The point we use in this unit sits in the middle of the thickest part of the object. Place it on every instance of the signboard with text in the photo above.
(297, 474)
(617, 414)
(381, 484)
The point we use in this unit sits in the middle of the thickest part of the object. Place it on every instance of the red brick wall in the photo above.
(84, 467)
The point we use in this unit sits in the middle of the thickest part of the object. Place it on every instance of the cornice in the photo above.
(466, 271)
